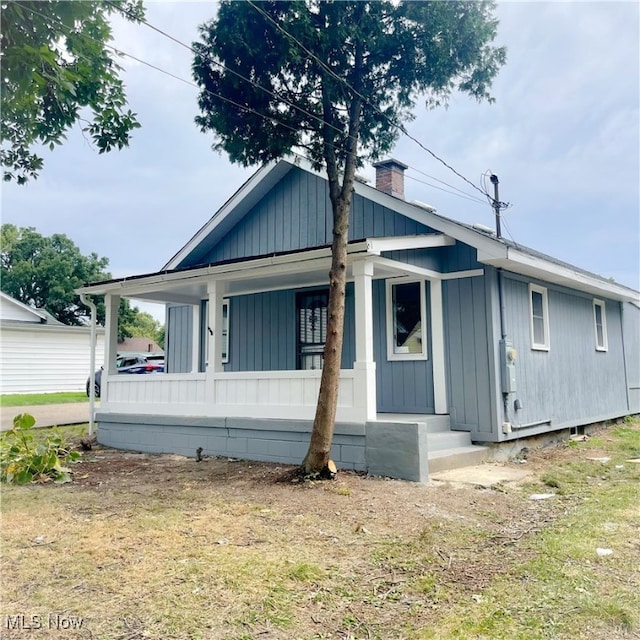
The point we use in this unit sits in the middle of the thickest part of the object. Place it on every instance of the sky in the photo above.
(562, 136)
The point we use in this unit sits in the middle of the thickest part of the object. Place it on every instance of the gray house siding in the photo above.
(468, 352)
(296, 214)
(402, 386)
(459, 257)
(572, 383)
(631, 329)
(179, 338)
(262, 333)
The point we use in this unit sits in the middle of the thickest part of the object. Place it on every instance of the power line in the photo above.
(168, 73)
(324, 66)
(453, 193)
(396, 125)
(212, 60)
(462, 194)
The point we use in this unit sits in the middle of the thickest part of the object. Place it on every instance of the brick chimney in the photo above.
(390, 177)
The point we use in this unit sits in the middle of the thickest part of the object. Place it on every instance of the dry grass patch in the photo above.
(163, 547)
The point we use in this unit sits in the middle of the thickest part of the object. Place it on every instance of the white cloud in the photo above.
(562, 135)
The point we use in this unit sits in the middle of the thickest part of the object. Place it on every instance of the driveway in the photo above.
(48, 415)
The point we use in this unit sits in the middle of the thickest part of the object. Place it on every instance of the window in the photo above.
(225, 331)
(539, 309)
(205, 332)
(406, 321)
(600, 324)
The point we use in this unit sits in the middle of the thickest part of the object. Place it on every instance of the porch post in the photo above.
(112, 306)
(364, 365)
(216, 292)
(195, 341)
(437, 347)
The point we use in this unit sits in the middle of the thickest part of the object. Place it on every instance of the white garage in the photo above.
(38, 354)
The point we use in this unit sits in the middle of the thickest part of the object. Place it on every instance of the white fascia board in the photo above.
(535, 267)
(259, 267)
(40, 315)
(399, 243)
(8, 325)
(404, 268)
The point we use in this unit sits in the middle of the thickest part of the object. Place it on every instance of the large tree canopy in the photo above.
(43, 272)
(265, 92)
(57, 70)
(337, 79)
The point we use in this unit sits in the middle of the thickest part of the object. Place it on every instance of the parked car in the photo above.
(131, 363)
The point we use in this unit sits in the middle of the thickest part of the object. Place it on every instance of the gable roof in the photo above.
(12, 310)
(497, 252)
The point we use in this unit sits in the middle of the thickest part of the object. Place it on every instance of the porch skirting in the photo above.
(392, 449)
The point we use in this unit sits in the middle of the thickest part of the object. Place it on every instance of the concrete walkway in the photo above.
(48, 415)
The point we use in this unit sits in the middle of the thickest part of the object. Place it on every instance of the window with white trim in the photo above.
(406, 320)
(206, 331)
(225, 330)
(600, 325)
(539, 317)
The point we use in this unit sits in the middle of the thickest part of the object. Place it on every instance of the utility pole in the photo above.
(496, 203)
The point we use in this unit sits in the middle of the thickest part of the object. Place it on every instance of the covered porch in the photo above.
(268, 414)
(209, 389)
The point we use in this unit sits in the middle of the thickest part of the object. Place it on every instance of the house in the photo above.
(453, 337)
(39, 354)
(138, 344)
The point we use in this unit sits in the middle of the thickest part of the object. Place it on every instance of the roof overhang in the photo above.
(536, 267)
(491, 250)
(267, 273)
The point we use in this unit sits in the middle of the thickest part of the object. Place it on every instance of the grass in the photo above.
(27, 399)
(162, 547)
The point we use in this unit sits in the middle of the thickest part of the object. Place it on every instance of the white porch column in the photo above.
(112, 306)
(437, 347)
(364, 365)
(195, 342)
(216, 291)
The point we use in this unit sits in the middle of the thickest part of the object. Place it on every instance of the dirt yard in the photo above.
(159, 546)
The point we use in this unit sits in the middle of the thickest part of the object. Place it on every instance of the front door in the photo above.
(311, 309)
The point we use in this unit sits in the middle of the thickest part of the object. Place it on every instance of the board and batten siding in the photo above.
(179, 339)
(631, 328)
(263, 326)
(296, 214)
(468, 355)
(572, 383)
(403, 386)
(39, 358)
(262, 333)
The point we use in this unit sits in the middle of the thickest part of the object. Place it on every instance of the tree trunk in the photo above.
(318, 455)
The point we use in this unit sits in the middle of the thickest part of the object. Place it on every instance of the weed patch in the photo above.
(144, 546)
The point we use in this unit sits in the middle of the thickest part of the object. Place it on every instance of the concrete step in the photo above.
(435, 423)
(456, 457)
(447, 440)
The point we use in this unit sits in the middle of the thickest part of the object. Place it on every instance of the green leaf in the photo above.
(23, 420)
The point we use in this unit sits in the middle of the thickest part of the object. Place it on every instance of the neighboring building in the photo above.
(138, 345)
(452, 335)
(38, 354)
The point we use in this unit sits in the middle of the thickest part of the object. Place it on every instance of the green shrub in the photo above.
(24, 459)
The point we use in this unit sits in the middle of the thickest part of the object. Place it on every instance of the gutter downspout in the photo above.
(92, 361)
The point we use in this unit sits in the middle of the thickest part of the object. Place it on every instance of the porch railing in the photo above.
(251, 394)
